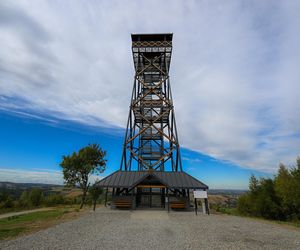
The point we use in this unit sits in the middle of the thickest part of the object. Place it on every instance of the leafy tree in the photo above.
(6, 201)
(78, 167)
(283, 188)
(36, 197)
(24, 199)
(267, 202)
(54, 199)
(2, 196)
(244, 204)
(95, 191)
(253, 184)
(295, 189)
(274, 199)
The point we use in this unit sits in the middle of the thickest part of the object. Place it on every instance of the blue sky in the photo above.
(66, 75)
(31, 151)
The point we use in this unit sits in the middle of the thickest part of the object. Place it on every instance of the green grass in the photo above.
(293, 223)
(15, 225)
(227, 210)
(11, 232)
(235, 212)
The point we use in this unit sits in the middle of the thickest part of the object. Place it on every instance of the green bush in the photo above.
(7, 203)
(244, 204)
(24, 201)
(54, 199)
(36, 197)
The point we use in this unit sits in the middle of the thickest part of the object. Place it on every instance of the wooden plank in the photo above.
(151, 186)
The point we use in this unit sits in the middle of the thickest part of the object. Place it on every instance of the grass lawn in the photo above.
(234, 211)
(22, 224)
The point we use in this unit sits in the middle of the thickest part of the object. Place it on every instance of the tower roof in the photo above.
(152, 37)
(171, 179)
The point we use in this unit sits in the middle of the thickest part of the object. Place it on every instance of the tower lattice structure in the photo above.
(151, 141)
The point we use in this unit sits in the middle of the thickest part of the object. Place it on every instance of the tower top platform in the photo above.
(151, 37)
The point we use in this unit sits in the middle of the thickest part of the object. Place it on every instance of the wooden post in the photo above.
(206, 206)
(132, 198)
(188, 195)
(168, 200)
(106, 196)
(196, 206)
(164, 197)
(150, 197)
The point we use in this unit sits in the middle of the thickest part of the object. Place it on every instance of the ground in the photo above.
(150, 229)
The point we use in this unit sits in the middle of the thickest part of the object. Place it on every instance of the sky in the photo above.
(66, 76)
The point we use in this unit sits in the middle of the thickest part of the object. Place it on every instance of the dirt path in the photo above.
(2, 216)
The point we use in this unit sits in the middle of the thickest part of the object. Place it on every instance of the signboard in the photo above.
(199, 194)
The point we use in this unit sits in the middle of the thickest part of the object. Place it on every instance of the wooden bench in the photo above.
(178, 205)
(123, 204)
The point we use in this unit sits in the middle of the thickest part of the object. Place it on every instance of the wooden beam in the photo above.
(151, 186)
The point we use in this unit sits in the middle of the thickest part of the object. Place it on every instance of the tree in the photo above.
(261, 200)
(295, 189)
(54, 199)
(253, 184)
(287, 186)
(244, 204)
(95, 191)
(24, 199)
(36, 197)
(277, 198)
(283, 187)
(6, 201)
(267, 201)
(78, 167)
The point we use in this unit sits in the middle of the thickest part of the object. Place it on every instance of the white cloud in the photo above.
(31, 176)
(191, 160)
(234, 70)
(36, 176)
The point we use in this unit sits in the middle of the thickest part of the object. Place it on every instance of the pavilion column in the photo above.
(106, 196)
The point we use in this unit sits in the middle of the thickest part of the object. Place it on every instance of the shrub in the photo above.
(36, 197)
(7, 203)
(54, 199)
(244, 204)
(24, 201)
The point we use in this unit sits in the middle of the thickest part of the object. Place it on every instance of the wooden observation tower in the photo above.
(151, 141)
(151, 173)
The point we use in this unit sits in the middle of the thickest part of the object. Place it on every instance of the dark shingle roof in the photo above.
(129, 179)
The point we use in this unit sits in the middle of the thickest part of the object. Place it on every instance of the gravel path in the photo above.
(110, 229)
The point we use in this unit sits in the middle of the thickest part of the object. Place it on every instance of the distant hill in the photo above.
(16, 189)
(234, 192)
(13, 185)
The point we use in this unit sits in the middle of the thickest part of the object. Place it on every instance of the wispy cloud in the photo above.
(31, 176)
(234, 70)
(191, 160)
(36, 176)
